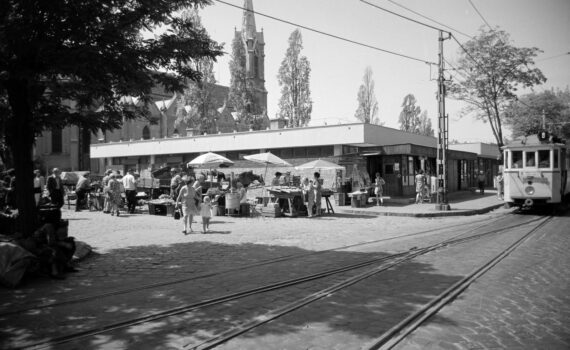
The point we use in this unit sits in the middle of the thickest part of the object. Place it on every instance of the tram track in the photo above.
(275, 314)
(261, 263)
(385, 261)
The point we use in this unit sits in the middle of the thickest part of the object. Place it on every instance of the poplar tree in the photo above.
(295, 104)
(409, 116)
(367, 111)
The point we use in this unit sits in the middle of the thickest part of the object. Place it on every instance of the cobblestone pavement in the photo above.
(523, 303)
(141, 249)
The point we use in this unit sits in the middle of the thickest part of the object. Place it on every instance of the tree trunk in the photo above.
(20, 139)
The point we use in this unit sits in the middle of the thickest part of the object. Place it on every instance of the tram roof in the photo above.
(530, 140)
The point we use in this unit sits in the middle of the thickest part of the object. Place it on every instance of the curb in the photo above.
(459, 212)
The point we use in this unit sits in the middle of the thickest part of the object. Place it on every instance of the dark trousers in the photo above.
(81, 197)
(481, 187)
(131, 200)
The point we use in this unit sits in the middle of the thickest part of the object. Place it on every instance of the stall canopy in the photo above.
(320, 164)
(266, 158)
(210, 160)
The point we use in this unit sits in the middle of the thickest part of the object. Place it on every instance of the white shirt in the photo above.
(129, 182)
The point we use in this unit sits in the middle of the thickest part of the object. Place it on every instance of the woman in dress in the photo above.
(187, 198)
(115, 189)
(420, 183)
(379, 189)
(308, 195)
(317, 187)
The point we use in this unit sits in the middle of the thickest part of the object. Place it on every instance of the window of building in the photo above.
(313, 152)
(555, 158)
(256, 66)
(286, 153)
(146, 133)
(299, 152)
(544, 159)
(56, 141)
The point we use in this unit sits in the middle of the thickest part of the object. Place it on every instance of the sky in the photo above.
(337, 67)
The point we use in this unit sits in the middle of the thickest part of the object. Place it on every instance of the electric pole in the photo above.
(442, 134)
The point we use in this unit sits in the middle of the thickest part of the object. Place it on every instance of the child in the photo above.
(206, 213)
(378, 189)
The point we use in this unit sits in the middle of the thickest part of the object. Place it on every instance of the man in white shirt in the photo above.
(130, 185)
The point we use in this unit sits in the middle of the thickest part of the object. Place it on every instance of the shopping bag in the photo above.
(177, 214)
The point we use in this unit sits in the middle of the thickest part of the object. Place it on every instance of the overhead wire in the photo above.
(404, 17)
(480, 15)
(555, 56)
(430, 19)
(327, 34)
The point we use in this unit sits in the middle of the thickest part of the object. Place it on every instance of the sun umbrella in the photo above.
(210, 160)
(266, 158)
(320, 164)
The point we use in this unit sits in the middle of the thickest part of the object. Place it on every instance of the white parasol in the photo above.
(210, 160)
(320, 164)
(266, 158)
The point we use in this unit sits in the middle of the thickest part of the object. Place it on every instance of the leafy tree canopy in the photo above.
(68, 62)
(527, 115)
(492, 70)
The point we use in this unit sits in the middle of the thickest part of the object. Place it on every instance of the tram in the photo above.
(535, 171)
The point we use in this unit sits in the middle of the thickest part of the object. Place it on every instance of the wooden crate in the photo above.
(271, 212)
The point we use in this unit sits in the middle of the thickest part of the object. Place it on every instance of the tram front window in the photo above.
(516, 159)
(544, 159)
(530, 159)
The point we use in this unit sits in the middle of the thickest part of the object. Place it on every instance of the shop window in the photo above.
(327, 151)
(287, 153)
(544, 159)
(516, 159)
(299, 152)
(555, 159)
(313, 152)
(389, 169)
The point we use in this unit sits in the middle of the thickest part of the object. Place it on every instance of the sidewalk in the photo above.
(461, 203)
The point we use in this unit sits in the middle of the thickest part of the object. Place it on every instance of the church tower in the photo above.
(255, 53)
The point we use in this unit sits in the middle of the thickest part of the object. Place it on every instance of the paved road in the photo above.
(142, 249)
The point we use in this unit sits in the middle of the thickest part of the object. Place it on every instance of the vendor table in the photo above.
(294, 198)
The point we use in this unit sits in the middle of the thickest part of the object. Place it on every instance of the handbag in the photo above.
(177, 214)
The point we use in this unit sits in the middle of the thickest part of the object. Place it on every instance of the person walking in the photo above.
(500, 185)
(186, 199)
(379, 189)
(481, 182)
(55, 188)
(39, 184)
(308, 195)
(105, 183)
(420, 185)
(81, 189)
(175, 183)
(317, 187)
(206, 213)
(114, 192)
(130, 185)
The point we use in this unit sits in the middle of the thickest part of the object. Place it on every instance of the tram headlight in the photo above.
(529, 190)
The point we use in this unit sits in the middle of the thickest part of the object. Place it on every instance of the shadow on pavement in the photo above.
(363, 311)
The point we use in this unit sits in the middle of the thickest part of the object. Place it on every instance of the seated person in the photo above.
(276, 180)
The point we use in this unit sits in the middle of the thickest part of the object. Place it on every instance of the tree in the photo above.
(295, 104)
(494, 70)
(409, 116)
(525, 116)
(241, 95)
(367, 110)
(65, 62)
(424, 126)
(199, 96)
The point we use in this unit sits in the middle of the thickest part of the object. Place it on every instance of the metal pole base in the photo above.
(442, 207)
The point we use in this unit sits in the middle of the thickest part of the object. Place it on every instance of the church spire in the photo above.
(248, 26)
